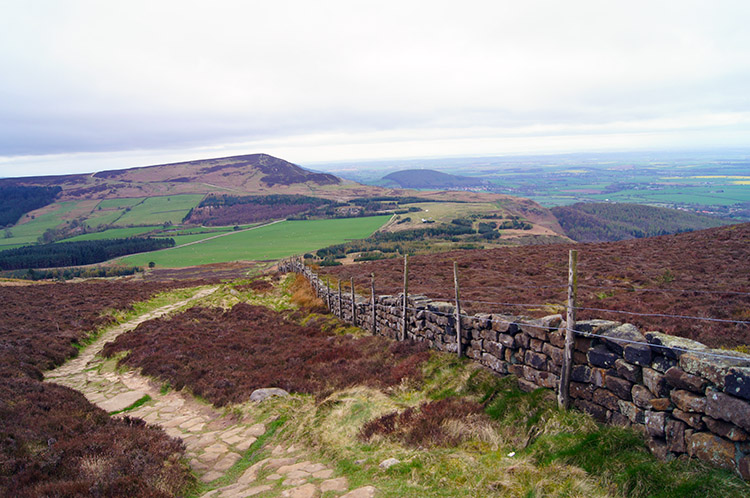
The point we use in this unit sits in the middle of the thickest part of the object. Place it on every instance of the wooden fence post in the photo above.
(458, 309)
(563, 393)
(372, 301)
(328, 293)
(406, 296)
(340, 304)
(354, 303)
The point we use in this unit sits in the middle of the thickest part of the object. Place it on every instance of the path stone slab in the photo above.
(338, 485)
(304, 491)
(121, 401)
(364, 492)
(226, 461)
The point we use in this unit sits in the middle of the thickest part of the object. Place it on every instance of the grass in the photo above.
(113, 233)
(159, 210)
(27, 233)
(522, 446)
(142, 401)
(264, 243)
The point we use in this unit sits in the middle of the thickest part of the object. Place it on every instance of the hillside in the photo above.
(608, 222)
(431, 179)
(702, 273)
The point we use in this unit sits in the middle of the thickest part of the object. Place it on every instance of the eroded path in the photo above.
(215, 441)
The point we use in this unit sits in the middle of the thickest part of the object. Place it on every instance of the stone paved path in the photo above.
(214, 442)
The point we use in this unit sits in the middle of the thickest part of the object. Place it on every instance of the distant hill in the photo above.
(608, 222)
(431, 179)
(254, 173)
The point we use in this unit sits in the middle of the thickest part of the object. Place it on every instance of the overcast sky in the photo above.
(91, 85)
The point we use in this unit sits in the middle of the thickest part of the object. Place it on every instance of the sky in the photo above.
(92, 85)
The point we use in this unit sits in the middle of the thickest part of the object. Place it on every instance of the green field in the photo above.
(159, 210)
(264, 243)
(27, 233)
(113, 233)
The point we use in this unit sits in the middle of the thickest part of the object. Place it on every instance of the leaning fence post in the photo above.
(372, 301)
(328, 293)
(458, 309)
(406, 296)
(563, 394)
(354, 303)
(340, 299)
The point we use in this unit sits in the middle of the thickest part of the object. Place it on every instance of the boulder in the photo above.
(267, 392)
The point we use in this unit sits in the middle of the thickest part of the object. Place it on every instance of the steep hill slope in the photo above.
(608, 222)
(702, 273)
(431, 179)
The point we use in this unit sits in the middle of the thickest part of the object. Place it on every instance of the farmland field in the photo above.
(27, 233)
(264, 243)
(158, 210)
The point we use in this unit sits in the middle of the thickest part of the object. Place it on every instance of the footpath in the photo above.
(214, 442)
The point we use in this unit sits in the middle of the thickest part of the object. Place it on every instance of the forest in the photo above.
(83, 252)
(609, 222)
(17, 200)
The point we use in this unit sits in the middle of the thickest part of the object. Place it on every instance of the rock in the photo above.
(535, 328)
(365, 492)
(744, 467)
(641, 396)
(737, 382)
(655, 382)
(632, 412)
(694, 420)
(675, 432)
(598, 412)
(660, 404)
(688, 402)
(726, 430)
(582, 391)
(580, 373)
(536, 360)
(388, 463)
(672, 346)
(267, 392)
(655, 423)
(711, 448)
(617, 337)
(597, 327)
(661, 363)
(555, 354)
(682, 380)
(338, 485)
(121, 401)
(600, 356)
(713, 368)
(659, 448)
(304, 491)
(724, 407)
(606, 399)
(628, 371)
(620, 387)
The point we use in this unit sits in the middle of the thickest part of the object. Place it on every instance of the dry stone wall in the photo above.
(684, 397)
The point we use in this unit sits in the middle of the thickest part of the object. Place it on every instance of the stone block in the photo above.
(633, 413)
(737, 382)
(725, 429)
(493, 348)
(494, 363)
(672, 346)
(661, 404)
(658, 447)
(675, 434)
(656, 382)
(582, 344)
(536, 360)
(516, 370)
(600, 356)
(606, 399)
(506, 340)
(711, 448)
(555, 354)
(598, 376)
(488, 335)
(712, 368)
(580, 373)
(527, 386)
(688, 402)
(599, 413)
(628, 371)
(638, 354)
(619, 387)
(683, 380)
(616, 338)
(535, 329)
(579, 358)
(504, 324)
(618, 419)
(540, 378)
(522, 340)
(557, 338)
(641, 396)
(536, 345)
(655, 423)
(597, 327)
(694, 420)
(582, 391)
(744, 467)
(661, 363)
(730, 409)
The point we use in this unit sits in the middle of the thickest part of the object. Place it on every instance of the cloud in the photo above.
(88, 76)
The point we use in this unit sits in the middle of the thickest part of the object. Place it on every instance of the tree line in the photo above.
(83, 252)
